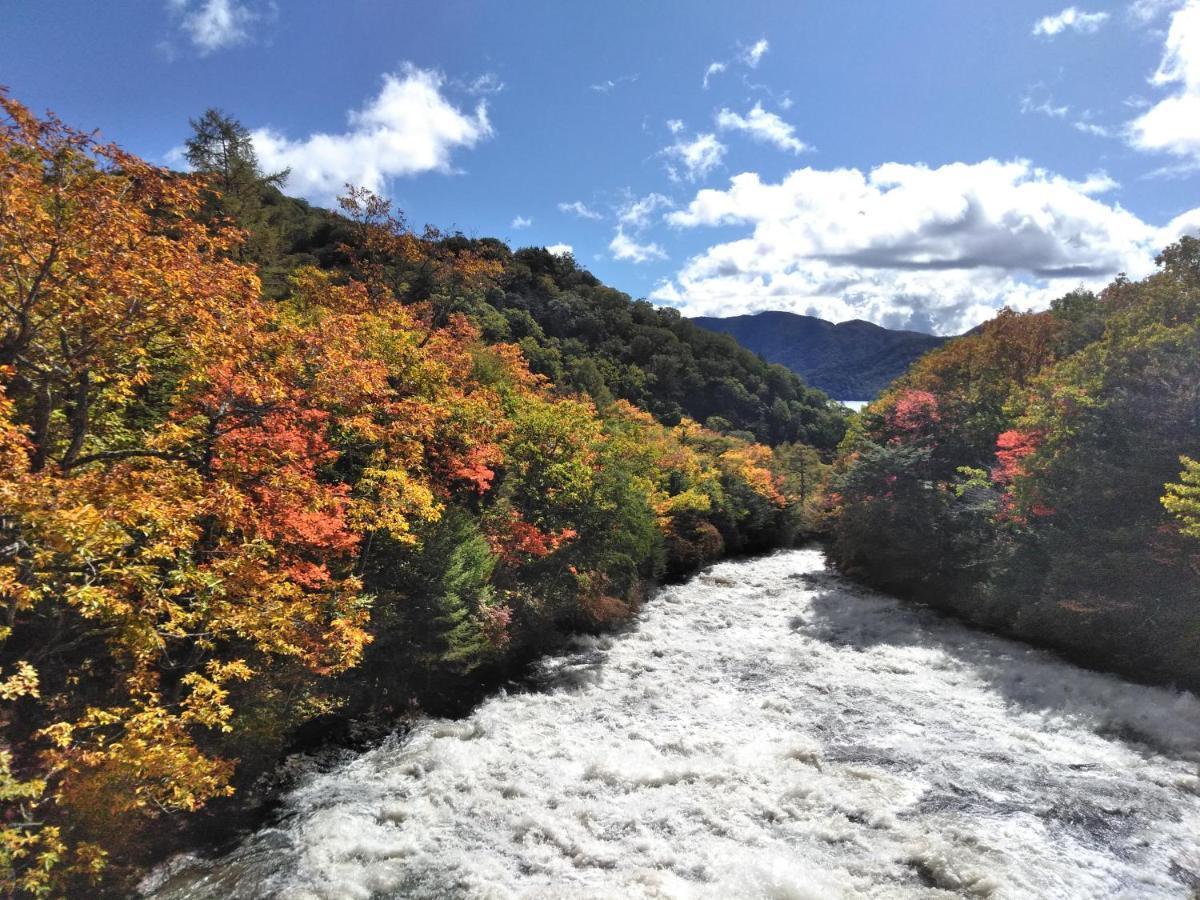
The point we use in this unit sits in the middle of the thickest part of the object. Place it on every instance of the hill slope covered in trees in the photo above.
(263, 464)
(1039, 476)
(850, 360)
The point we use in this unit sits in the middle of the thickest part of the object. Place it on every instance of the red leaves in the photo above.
(914, 410)
(912, 415)
(516, 540)
(1011, 449)
(275, 462)
(473, 467)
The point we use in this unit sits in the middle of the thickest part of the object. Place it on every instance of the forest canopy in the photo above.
(1039, 476)
(262, 463)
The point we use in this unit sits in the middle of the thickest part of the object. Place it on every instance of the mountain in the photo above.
(851, 360)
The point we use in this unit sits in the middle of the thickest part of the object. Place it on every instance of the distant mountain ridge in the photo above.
(852, 360)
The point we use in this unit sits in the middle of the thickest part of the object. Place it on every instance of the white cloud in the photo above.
(561, 249)
(580, 209)
(409, 128)
(1185, 223)
(697, 156)
(521, 222)
(624, 247)
(1070, 19)
(1146, 11)
(1091, 128)
(749, 56)
(1044, 107)
(753, 55)
(485, 84)
(1083, 122)
(213, 25)
(1173, 124)
(637, 213)
(713, 69)
(909, 246)
(674, 125)
(763, 126)
(608, 84)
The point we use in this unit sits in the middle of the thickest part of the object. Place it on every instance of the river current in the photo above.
(765, 730)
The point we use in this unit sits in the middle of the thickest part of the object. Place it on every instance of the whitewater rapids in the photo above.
(765, 730)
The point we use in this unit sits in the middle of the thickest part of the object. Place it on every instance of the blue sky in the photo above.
(916, 164)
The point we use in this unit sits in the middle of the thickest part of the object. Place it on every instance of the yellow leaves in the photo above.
(12, 788)
(205, 703)
(1182, 498)
(60, 734)
(751, 463)
(21, 683)
(144, 744)
(233, 670)
(95, 601)
(13, 593)
(394, 501)
(689, 501)
(347, 637)
(31, 851)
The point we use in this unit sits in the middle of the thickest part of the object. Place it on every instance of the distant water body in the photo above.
(766, 730)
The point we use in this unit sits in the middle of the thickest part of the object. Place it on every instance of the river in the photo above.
(765, 730)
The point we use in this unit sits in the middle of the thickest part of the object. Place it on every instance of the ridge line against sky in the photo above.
(914, 168)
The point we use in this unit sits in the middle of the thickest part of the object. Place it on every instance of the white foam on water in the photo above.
(766, 730)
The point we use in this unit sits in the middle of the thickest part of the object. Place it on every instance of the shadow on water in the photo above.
(845, 614)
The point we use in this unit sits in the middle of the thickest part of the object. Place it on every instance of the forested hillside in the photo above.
(582, 335)
(849, 360)
(1039, 476)
(262, 463)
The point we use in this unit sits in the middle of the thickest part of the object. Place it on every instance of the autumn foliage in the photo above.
(223, 515)
(1037, 476)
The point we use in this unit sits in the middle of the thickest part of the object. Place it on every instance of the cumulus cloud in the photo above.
(697, 156)
(409, 128)
(762, 126)
(561, 249)
(624, 247)
(212, 25)
(1070, 19)
(909, 246)
(580, 209)
(521, 222)
(638, 213)
(1173, 124)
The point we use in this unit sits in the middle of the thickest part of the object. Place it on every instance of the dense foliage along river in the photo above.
(766, 730)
